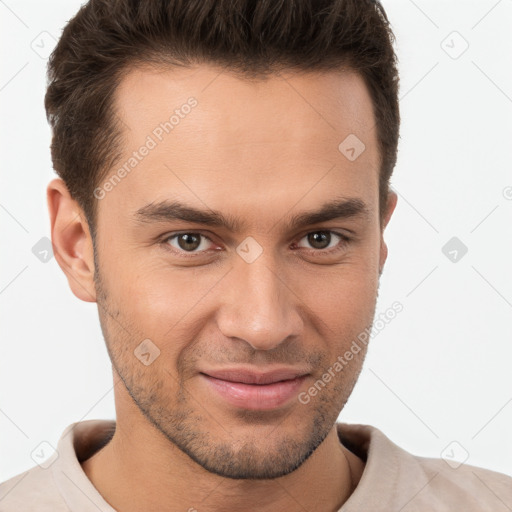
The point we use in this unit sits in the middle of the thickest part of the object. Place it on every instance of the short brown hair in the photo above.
(252, 38)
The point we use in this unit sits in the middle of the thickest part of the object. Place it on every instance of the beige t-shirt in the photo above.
(393, 479)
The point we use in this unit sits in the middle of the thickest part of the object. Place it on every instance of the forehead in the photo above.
(298, 105)
(214, 138)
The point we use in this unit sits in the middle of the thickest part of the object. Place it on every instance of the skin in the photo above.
(260, 151)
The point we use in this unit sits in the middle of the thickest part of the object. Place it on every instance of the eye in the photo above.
(325, 240)
(188, 242)
(192, 243)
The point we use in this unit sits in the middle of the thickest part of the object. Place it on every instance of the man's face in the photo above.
(291, 297)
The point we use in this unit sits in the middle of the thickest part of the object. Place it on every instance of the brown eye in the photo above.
(188, 242)
(319, 239)
(323, 240)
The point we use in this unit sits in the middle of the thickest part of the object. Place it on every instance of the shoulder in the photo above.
(452, 486)
(34, 489)
(395, 479)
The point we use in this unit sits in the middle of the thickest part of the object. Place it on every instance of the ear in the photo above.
(71, 239)
(390, 208)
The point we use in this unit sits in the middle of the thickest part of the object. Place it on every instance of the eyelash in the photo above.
(345, 240)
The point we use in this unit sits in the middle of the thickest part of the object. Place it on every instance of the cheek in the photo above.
(163, 303)
(346, 301)
(343, 298)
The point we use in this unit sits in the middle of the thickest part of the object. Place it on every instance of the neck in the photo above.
(139, 469)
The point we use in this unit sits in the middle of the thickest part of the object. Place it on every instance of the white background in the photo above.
(439, 372)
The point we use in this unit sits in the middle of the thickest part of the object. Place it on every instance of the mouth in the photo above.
(252, 390)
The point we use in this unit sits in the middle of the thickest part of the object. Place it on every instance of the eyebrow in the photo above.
(168, 211)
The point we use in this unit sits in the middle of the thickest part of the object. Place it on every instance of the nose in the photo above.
(258, 306)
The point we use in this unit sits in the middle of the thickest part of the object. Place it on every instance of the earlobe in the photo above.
(71, 239)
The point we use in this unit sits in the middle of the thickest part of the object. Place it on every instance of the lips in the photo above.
(255, 390)
(252, 377)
